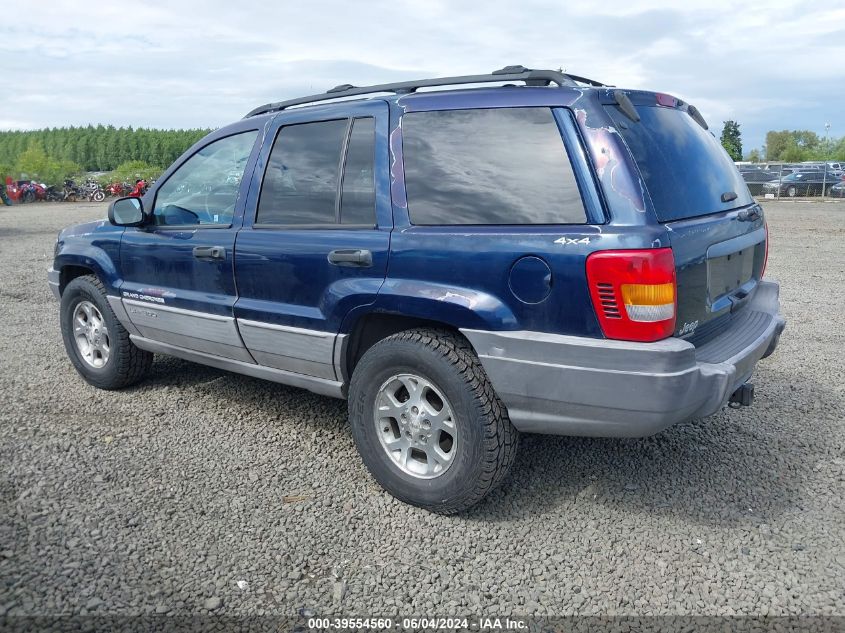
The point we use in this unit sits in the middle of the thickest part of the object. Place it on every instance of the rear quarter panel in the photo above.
(461, 275)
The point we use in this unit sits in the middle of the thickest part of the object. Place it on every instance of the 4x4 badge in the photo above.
(566, 241)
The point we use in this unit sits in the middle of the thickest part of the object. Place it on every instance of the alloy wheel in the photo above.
(416, 426)
(91, 334)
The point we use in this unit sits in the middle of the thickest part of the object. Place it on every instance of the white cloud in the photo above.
(192, 63)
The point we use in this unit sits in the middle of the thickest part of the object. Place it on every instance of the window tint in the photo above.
(205, 188)
(300, 183)
(496, 166)
(684, 167)
(358, 196)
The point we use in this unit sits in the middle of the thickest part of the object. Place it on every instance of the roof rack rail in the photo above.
(508, 73)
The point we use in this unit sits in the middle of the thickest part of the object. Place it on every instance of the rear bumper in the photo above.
(569, 385)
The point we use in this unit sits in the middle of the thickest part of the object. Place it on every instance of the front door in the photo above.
(316, 244)
(178, 281)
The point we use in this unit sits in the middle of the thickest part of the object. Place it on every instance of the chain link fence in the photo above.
(818, 180)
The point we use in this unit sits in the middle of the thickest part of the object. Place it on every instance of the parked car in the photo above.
(461, 264)
(755, 176)
(802, 183)
(838, 190)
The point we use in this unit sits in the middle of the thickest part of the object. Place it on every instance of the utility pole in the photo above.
(827, 155)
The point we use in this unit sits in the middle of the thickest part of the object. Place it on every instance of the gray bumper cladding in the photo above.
(53, 281)
(569, 385)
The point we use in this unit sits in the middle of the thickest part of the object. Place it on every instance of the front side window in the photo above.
(488, 166)
(204, 189)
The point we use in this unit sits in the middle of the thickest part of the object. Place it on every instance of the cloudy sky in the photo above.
(769, 65)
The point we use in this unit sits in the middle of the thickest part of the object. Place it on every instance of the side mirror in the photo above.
(126, 212)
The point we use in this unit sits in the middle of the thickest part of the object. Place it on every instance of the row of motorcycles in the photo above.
(90, 190)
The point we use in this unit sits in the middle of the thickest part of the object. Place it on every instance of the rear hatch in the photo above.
(715, 228)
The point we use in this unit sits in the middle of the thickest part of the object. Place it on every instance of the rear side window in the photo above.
(488, 166)
(300, 183)
(358, 192)
(684, 167)
(303, 184)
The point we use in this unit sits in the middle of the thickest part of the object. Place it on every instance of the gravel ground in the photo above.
(202, 490)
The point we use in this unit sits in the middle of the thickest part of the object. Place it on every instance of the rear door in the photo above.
(316, 238)
(715, 227)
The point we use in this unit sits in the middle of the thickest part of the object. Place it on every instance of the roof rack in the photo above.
(508, 73)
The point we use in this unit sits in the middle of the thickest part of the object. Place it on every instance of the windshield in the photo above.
(686, 170)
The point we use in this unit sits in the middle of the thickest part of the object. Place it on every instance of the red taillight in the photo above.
(666, 100)
(634, 293)
(766, 256)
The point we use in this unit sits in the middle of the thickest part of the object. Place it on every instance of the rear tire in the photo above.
(791, 191)
(480, 446)
(95, 341)
(99, 196)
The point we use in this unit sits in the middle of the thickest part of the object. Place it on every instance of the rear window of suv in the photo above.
(488, 166)
(684, 167)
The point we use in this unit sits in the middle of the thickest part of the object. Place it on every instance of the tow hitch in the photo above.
(742, 397)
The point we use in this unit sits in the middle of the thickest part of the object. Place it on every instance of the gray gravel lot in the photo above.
(202, 490)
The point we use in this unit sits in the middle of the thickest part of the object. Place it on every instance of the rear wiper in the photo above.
(728, 196)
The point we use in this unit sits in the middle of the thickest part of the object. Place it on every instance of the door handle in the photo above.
(210, 252)
(351, 257)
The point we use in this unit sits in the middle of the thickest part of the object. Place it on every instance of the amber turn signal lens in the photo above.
(648, 294)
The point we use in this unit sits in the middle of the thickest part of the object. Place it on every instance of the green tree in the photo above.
(753, 156)
(731, 140)
(101, 147)
(34, 162)
(133, 170)
(794, 145)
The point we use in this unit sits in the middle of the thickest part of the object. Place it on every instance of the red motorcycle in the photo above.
(118, 189)
(25, 191)
(139, 190)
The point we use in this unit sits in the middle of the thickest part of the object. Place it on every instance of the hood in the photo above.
(87, 228)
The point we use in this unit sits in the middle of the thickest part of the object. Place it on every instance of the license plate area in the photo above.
(728, 273)
(733, 268)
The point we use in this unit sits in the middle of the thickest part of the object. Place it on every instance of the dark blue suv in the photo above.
(550, 255)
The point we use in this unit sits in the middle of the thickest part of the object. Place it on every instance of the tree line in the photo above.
(790, 146)
(794, 146)
(54, 153)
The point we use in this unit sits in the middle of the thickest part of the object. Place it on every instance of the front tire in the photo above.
(792, 191)
(427, 423)
(95, 341)
(99, 196)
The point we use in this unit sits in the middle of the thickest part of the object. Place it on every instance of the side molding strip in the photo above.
(212, 334)
(331, 388)
(120, 312)
(289, 348)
